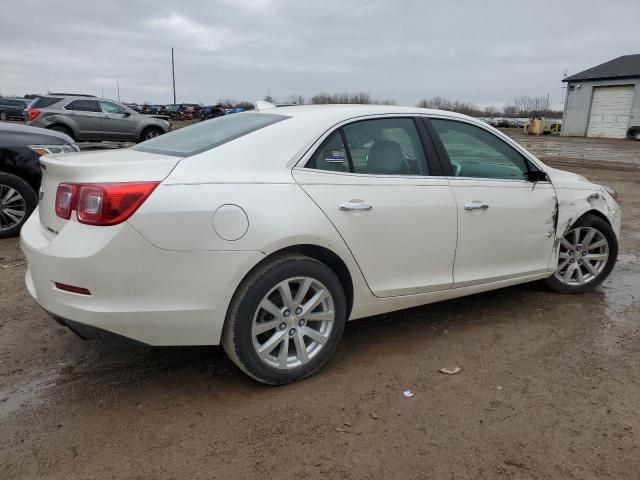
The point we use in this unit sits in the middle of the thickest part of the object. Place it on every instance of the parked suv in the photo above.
(84, 118)
(13, 108)
(20, 174)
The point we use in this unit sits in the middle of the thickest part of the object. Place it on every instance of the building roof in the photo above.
(626, 66)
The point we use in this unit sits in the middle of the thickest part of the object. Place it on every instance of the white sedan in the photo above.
(266, 231)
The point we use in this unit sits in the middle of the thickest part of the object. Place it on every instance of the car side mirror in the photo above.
(127, 114)
(537, 176)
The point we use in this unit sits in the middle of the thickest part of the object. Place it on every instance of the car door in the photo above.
(117, 122)
(380, 187)
(86, 117)
(506, 206)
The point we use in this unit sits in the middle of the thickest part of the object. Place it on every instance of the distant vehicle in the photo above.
(211, 111)
(86, 118)
(13, 108)
(134, 106)
(634, 133)
(542, 126)
(20, 174)
(266, 231)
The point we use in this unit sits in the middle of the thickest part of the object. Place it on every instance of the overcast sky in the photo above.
(486, 52)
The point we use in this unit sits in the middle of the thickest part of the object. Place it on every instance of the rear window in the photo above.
(207, 135)
(44, 102)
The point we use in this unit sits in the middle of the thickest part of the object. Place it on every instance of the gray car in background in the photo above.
(88, 118)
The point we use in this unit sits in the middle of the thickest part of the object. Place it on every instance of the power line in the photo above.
(293, 29)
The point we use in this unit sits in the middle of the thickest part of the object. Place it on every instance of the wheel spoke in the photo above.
(588, 237)
(592, 270)
(314, 335)
(263, 327)
(579, 274)
(565, 243)
(576, 236)
(17, 213)
(302, 292)
(270, 307)
(12, 216)
(596, 256)
(563, 255)
(301, 349)
(267, 347)
(325, 316)
(314, 301)
(284, 354)
(598, 243)
(10, 194)
(563, 264)
(569, 273)
(285, 292)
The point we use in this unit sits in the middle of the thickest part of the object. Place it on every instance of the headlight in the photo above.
(611, 192)
(47, 149)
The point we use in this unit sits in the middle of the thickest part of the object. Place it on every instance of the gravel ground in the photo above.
(549, 387)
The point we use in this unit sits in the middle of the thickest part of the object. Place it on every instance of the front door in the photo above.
(506, 222)
(373, 181)
(117, 122)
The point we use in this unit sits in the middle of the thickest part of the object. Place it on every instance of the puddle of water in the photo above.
(28, 391)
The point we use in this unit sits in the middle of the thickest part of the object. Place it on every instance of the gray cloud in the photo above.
(480, 51)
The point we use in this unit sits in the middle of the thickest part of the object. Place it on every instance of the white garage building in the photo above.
(603, 101)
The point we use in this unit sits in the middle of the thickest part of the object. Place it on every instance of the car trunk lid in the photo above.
(95, 167)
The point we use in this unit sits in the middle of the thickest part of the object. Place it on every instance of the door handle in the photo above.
(476, 205)
(348, 206)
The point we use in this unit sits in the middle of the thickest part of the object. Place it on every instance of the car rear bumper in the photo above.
(138, 291)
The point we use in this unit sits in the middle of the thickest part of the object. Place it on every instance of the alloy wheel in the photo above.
(293, 322)
(13, 207)
(584, 252)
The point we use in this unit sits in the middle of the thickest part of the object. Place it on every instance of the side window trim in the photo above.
(446, 162)
(432, 163)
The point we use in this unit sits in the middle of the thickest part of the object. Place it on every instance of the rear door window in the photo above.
(83, 106)
(44, 102)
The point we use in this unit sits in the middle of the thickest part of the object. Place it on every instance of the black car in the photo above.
(13, 108)
(20, 174)
(212, 111)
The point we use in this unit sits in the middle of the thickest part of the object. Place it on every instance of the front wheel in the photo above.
(17, 201)
(286, 320)
(149, 133)
(587, 254)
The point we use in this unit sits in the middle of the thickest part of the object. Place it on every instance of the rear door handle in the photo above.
(348, 206)
(476, 205)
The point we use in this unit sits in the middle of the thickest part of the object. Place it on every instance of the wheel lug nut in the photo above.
(292, 332)
(570, 252)
(298, 311)
(286, 313)
(283, 326)
(571, 261)
(301, 323)
(579, 262)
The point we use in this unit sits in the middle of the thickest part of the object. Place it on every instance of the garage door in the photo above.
(610, 111)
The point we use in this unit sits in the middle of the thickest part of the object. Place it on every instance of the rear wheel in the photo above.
(150, 132)
(286, 320)
(634, 133)
(17, 201)
(587, 254)
(62, 129)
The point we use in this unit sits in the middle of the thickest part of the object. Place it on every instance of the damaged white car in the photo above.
(266, 231)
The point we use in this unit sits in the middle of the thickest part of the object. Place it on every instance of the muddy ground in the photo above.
(549, 388)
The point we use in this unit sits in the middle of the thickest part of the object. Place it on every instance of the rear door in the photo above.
(117, 122)
(374, 182)
(87, 117)
(506, 223)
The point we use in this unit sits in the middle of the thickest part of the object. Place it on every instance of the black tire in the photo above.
(3, 115)
(150, 132)
(30, 201)
(634, 133)
(596, 222)
(62, 129)
(237, 339)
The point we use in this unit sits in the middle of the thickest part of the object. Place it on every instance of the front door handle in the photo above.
(476, 205)
(355, 205)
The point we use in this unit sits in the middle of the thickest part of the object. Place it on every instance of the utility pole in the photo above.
(173, 75)
(118, 86)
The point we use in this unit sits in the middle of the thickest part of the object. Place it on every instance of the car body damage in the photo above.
(575, 197)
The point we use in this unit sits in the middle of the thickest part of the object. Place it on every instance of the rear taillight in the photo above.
(65, 200)
(32, 114)
(104, 203)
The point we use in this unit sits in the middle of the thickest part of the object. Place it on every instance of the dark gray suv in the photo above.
(87, 118)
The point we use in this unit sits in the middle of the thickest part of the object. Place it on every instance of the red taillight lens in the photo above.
(72, 288)
(102, 203)
(65, 200)
(32, 114)
(111, 203)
